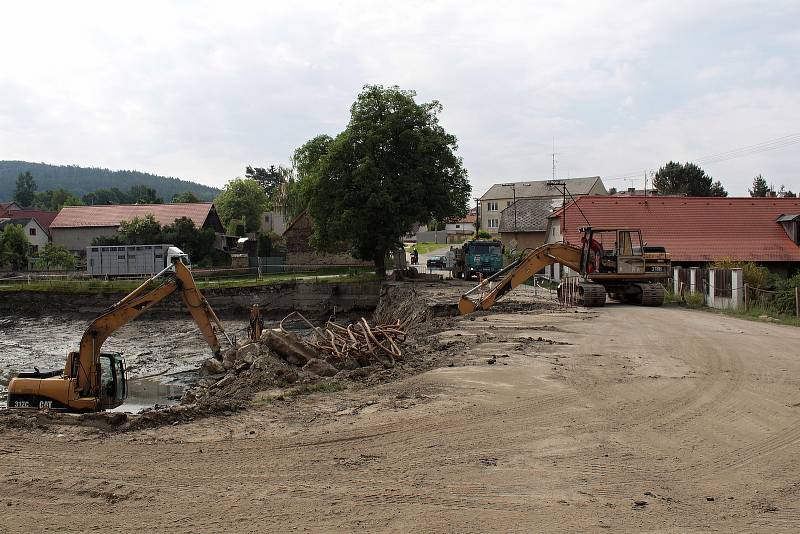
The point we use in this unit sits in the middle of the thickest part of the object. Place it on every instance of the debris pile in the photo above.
(282, 358)
(357, 341)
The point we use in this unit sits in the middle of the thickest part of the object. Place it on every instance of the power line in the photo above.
(718, 157)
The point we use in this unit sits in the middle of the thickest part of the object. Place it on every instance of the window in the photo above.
(458, 226)
(491, 206)
(31, 231)
(492, 223)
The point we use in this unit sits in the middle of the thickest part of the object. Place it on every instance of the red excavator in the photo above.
(610, 262)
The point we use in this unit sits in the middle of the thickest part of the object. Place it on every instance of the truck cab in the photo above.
(484, 256)
(174, 254)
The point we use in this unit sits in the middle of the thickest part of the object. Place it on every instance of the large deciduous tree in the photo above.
(25, 192)
(392, 166)
(242, 197)
(686, 179)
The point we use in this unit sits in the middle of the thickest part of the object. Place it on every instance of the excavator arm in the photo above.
(132, 306)
(483, 296)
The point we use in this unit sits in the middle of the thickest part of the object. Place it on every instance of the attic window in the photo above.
(791, 225)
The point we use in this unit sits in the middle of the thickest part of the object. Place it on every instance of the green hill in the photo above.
(82, 180)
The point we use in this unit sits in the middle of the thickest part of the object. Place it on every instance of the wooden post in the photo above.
(797, 301)
(746, 296)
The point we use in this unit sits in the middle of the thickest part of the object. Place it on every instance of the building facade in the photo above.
(501, 196)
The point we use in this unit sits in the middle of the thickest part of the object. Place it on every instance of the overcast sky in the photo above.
(199, 90)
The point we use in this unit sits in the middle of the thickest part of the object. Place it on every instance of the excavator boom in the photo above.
(623, 268)
(81, 387)
(487, 292)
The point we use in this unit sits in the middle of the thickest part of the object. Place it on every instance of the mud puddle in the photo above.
(145, 393)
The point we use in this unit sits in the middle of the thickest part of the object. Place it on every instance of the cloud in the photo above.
(200, 90)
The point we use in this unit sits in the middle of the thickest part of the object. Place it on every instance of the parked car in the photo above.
(437, 262)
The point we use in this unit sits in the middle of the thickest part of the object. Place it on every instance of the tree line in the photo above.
(26, 194)
(82, 180)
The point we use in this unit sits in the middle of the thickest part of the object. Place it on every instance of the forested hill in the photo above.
(82, 180)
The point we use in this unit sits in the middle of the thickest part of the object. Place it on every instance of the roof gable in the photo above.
(700, 229)
(527, 215)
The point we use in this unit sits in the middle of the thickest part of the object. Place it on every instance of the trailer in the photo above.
(132, 260)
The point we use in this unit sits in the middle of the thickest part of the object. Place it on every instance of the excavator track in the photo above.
(592, 295)
(652, 294)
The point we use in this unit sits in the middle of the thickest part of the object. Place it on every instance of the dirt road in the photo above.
(692, 415)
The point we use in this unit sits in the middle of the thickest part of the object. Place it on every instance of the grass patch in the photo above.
(425, 248)
(328, 276)
(755, 313)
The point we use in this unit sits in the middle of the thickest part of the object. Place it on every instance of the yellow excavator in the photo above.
(610, 261)
(92, 380)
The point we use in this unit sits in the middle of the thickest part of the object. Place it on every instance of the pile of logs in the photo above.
(359, 340)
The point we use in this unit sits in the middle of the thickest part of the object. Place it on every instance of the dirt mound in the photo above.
(412, 304)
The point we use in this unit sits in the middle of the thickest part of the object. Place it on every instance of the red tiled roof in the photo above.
(695, 228)
(94, 216)
(44, 218)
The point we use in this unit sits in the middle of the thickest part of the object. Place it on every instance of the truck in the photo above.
(132, 260)
(484, 256)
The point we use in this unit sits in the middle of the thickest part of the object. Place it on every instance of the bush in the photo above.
(754, 274)
(483, 234)
(56, 256)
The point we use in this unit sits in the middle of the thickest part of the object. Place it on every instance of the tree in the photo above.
(106, 196)
(25, 193)
(786, 193)
(270, 178)
(56, 256)
(392, 166)
(141, 230)
(760, 187)
(187, 197)
(717, 190)
(55, 199)
(14, 247)
(141, 194)
(686, 179)
(242, 197)
(197, 243)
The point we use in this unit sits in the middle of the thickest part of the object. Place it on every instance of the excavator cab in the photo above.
(113, 380)
(612, 251)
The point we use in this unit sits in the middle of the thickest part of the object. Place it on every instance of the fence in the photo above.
(725, 289)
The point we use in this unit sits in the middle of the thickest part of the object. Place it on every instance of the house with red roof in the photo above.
(694, 230)
(76, 226)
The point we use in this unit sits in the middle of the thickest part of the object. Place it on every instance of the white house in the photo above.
(37, 236)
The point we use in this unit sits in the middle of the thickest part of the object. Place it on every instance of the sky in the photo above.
(199, 90)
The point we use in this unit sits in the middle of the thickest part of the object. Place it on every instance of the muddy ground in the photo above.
(537, 419)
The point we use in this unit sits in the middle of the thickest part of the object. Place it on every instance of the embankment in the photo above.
(283, 297)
